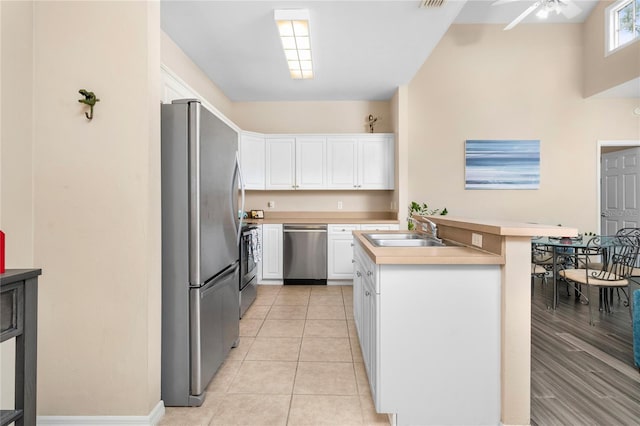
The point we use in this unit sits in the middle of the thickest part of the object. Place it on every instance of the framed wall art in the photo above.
(502, 164)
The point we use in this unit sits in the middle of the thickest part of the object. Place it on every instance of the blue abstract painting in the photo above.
(503, 164)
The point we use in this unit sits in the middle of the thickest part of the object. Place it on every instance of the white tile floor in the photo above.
(298, 363)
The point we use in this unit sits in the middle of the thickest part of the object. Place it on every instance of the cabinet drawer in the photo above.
(343, 228)
(11, 311)
(380, 227)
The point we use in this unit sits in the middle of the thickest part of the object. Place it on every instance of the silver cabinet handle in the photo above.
(369, 273)
(358, 273)
(351, 244)
(353, 261)
(366, 293)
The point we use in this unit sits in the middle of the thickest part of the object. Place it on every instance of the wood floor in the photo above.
(582, 374)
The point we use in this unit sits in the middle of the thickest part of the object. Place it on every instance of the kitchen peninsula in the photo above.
(446, 331)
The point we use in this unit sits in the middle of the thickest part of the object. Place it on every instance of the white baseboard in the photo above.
(339, 282)
(270, 282)
(151, 419)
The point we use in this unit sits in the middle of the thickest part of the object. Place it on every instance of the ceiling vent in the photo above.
(431, 3)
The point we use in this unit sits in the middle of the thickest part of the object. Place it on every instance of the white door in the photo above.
(620, 187)
(342, 163)
(311, 158)
(280, 163)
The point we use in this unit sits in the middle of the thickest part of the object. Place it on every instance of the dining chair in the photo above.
(541, 264)
(633, 232)
(542, 257)
(609, 262)
(635, 272)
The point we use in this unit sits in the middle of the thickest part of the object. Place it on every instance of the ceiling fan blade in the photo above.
(523, 15)
(569, 9)
(499, 2)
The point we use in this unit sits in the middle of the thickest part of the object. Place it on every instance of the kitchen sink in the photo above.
(395, 236)
(406, 240)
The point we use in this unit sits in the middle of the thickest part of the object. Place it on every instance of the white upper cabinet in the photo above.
(342, 163)
(375, 162)
(350, 162)
(296, 162)
(280, 163)
(363, 162)
(252, 160)
(311, 168)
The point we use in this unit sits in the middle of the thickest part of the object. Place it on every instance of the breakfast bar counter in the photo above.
(470, 304)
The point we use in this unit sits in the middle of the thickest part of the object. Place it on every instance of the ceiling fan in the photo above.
(568, 8)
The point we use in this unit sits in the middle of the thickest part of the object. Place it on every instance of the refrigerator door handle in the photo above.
(242, 186)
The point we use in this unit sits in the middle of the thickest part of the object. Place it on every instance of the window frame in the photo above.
(611, 18)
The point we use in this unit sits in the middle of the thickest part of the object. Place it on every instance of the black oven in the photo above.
(248, 270)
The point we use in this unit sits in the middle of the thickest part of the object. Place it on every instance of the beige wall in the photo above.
(16, 151)
(97, 207)
(312, 117)
(178, 62)
(400, 109)
(483, 83)
(604, 72)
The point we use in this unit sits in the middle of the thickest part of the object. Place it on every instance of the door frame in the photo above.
(627, 143)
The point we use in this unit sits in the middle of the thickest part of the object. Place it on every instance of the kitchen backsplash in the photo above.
(320, 200)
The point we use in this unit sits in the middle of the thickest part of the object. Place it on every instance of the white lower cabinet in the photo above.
(340, 251)
(272, 252)
(340, 247)
(425, 355)
(340, 255)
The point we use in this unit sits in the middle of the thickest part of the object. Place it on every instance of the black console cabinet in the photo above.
(19, 319)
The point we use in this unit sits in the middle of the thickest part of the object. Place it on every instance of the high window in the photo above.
(623, 19)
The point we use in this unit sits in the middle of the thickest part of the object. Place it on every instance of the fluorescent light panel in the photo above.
(293, 26)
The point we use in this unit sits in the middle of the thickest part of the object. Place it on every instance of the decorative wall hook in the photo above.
(372, 121)
(89, 99)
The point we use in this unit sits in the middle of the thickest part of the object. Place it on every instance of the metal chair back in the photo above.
(618, 254)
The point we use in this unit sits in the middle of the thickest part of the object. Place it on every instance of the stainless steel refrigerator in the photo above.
(202, 192)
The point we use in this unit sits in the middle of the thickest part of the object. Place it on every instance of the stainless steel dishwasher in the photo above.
(305, 254)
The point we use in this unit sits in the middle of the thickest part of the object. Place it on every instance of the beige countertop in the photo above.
(448, 255)
(502, 227)
(329, 217)
(461, 230)
(327, 220)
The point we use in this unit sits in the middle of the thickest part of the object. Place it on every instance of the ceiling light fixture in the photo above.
(293, 26)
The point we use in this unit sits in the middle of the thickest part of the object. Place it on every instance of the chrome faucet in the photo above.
(433, 228)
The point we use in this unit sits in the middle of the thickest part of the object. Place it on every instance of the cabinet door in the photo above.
(358, 293)
(342, 163)
(375, 162)
(252, 160)
(280, 161)
(380, 227)
(371, 330)
(271, 252)
(340, 256)
(311, 168)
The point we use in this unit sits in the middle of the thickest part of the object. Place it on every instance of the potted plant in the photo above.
(422, 210)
